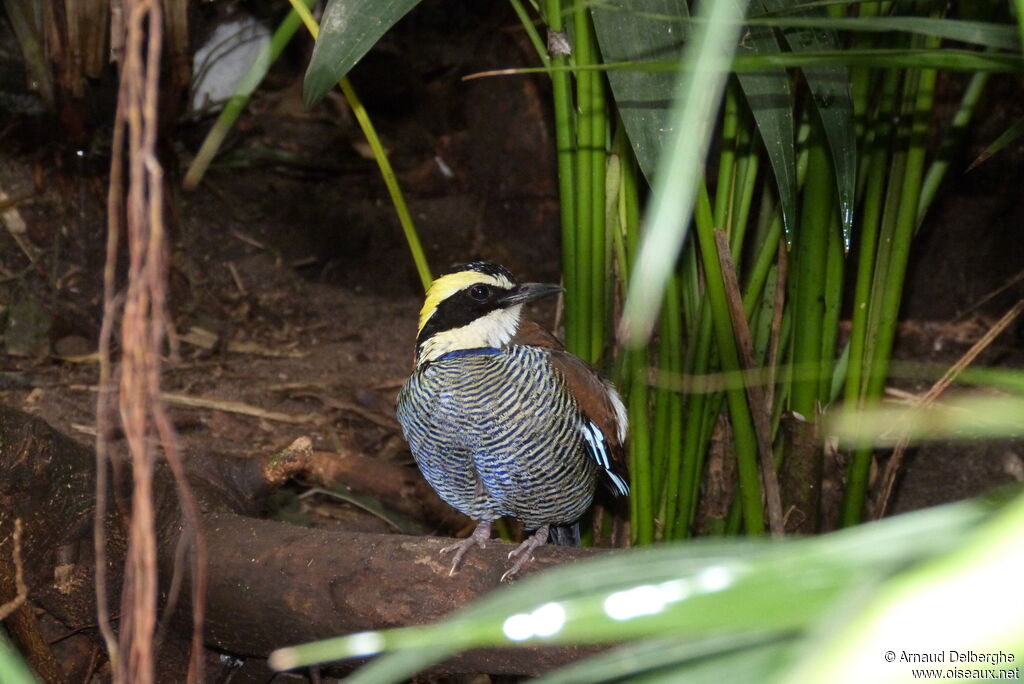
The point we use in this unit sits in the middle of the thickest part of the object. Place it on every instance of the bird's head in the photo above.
(472, 306)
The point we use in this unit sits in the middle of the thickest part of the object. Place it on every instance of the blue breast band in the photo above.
(462, 353)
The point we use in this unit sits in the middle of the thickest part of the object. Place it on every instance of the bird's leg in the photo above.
(479, 538)
(524, 552)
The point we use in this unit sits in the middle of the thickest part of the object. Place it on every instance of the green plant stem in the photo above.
(810, 261)
(639, 450)
(920, 99)
(584, 191)
(678, 525)
(725, 185)
(564, 139)
(954, 136)
(746, 183)
(531, 32)
(870, 224)
(1020, 18)
(599, 243)
(833, 292)
(388, 173)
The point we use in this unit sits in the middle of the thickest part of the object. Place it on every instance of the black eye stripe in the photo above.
(461, 309)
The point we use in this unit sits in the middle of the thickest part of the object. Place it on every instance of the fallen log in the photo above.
(270, 584)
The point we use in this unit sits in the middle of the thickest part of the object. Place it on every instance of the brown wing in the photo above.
(601, 406)
(531, 334)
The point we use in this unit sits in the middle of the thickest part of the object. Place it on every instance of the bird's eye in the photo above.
(480, 292)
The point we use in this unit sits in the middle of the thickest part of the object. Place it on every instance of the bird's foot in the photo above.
(524, 552)
(479, 538)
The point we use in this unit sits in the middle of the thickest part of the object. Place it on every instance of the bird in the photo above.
(501, 419)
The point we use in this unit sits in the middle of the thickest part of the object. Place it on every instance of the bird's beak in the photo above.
(528, 292)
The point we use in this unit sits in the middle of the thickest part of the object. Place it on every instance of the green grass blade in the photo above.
(948, 59)
(350, 29)
(1008, 136)
(981, 33)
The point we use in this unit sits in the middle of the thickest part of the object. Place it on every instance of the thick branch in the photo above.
(271, 584)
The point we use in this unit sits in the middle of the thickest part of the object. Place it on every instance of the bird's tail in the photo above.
(565, 535)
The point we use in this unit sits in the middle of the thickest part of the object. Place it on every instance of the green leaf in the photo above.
(1009, 135)
(657, 658)
(983, 33)
(770, 99)
(12, 668)
(830, 92)
(348, 30)
(642, 31)
(904, 58)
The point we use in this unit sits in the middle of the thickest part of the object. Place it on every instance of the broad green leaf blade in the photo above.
(830, 92)
(13, 669)
(770, 99)
(961, 417)
(348, 30)
(642, 31)
(970, 601)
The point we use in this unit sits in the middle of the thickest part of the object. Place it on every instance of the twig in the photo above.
(760, 409)
(380, 419)
(239, 407)
(251, 241)
(204, 339)
(1013, 280)
(929, 397)
(237, 278)
(21, 591)
(778, 303)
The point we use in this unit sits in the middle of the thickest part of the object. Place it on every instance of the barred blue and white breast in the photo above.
(500, 419)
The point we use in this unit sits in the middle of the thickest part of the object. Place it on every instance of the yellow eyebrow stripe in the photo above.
(447, 285)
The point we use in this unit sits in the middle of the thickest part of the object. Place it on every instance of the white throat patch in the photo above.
(495, 329)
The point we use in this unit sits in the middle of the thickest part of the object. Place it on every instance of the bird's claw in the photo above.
(524, 552)
(479, 538)
(460, 548)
